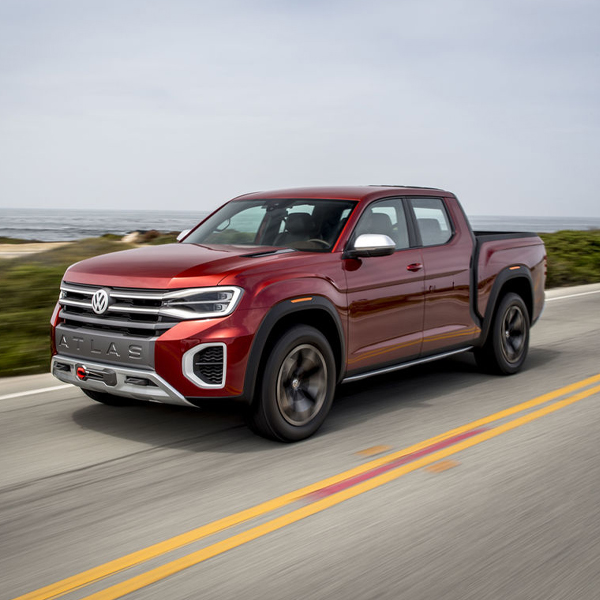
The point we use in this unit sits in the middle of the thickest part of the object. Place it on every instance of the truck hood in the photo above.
(164, 267)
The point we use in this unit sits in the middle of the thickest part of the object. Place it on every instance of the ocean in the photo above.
(54, 225)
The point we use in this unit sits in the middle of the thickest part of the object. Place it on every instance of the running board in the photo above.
(411, 363)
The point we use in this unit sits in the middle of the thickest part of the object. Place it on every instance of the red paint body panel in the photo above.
(448, 319)
(386, 312)
(160, 267)
(495, 256)
(236, 331)
(385, 303)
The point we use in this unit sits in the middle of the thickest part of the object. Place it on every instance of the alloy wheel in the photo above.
(301, 384)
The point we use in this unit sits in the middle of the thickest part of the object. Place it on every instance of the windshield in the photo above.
(310, 225)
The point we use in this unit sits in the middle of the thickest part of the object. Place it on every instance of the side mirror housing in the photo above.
(183, 234)
(371, 244)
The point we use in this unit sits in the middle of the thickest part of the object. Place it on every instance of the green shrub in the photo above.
(573, 257)
(29, 288)
(9, 240)
(164, 238)
(29, 293)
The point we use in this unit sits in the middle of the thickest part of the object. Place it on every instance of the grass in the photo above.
(29, 288)
(9, 240)
(573, 257)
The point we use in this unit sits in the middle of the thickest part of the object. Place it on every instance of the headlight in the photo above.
(200, 303)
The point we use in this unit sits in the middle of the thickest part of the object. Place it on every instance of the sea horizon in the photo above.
(56, 225)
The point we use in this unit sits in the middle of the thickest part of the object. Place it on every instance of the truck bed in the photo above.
(496, 251)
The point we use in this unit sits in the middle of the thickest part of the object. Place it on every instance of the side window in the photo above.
(386, 217)
(432, 221)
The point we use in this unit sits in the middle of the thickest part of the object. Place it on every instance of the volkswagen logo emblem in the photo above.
(100, 302)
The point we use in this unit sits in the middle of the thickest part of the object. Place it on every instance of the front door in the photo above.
(385, 293)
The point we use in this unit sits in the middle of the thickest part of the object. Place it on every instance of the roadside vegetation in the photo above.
(29, 287)
(573, 257)
(9, 240)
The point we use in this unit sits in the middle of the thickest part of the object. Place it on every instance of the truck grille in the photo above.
(129, 311)
(208, 365)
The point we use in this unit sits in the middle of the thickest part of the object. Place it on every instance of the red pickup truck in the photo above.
(278, 297)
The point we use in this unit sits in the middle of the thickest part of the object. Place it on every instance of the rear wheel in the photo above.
(109, 399)
(297, 387)
(505, 350)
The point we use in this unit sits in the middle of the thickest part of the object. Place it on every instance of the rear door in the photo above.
(385, 293)
(446, 259)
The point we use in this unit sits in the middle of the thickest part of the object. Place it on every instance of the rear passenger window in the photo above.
(386, 217)
(432, 221)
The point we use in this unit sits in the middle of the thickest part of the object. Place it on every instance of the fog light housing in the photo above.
(205, 365)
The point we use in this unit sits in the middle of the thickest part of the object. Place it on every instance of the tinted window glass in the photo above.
(385, 217)
(240, 228)
(432, 221)
(312, 225)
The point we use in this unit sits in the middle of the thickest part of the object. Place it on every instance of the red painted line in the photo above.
(343, 485)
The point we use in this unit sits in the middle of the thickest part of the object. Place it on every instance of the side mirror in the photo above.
(372, 244)
(183, 234)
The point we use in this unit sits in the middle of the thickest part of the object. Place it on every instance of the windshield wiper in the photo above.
(266, 252)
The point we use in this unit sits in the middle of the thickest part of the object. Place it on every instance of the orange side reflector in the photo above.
(301, 300)
(513, 268)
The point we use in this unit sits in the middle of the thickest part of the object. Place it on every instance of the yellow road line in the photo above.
(64, 586)
(140, 581)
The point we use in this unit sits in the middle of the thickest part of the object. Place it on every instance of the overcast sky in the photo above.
(181, 104)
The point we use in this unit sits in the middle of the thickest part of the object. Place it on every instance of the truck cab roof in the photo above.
(362, 192)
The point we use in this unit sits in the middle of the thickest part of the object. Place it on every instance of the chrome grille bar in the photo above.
(66, 302)
(78, 290)
(150, 305)
(123, 317)
(134, 309)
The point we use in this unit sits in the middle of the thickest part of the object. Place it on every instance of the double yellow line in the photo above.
(137, 582)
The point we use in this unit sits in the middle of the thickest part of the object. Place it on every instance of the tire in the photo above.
(506, 347)
(109, 399)
(297, 387)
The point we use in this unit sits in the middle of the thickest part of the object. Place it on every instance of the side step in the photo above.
(412, 363)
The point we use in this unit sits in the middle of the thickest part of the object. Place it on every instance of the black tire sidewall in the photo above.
(502, 363)
(267, 403)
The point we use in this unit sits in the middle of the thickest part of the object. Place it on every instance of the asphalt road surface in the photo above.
(435, 482)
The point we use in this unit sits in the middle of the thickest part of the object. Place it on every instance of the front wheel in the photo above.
(505, 350)
(297, 388)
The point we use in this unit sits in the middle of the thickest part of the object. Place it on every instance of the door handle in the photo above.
(414, 267)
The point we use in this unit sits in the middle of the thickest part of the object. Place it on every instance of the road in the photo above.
(408, 491)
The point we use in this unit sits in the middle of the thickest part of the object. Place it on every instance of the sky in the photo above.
(183, 104)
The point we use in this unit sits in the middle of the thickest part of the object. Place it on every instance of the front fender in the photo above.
(283, 310)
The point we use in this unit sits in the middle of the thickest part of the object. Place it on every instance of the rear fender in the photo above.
(507, 278)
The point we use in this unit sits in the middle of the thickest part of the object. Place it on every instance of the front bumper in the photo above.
(166, 361)
(141, 384)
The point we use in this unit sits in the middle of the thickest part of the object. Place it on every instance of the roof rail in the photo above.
(420, 187)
